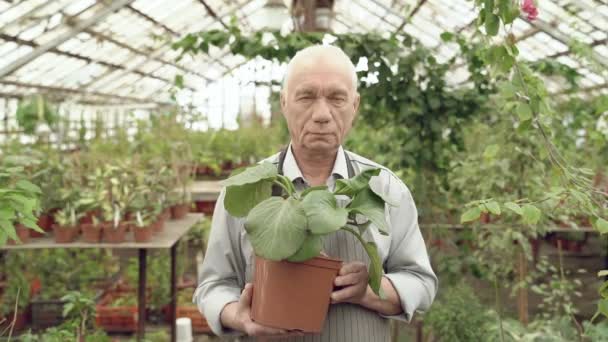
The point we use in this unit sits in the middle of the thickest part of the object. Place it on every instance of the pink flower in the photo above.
(528, 7)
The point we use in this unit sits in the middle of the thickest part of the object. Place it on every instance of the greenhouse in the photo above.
(303, 170)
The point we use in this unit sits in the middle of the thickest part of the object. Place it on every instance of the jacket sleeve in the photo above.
(408, 266)
(222, 269)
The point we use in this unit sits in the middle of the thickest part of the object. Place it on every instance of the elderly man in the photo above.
(319, 101)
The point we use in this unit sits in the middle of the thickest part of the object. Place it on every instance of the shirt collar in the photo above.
(292, 171)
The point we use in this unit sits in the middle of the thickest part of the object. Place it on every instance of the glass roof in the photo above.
(118, 53)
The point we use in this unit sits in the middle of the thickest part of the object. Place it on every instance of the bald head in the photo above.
(328, 56)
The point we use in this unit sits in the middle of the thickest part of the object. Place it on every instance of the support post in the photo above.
(141, 294)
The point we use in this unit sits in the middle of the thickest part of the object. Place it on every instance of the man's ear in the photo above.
(283, 100)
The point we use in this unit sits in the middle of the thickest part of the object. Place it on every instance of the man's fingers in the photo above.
(343, 294)
(352, 267)
(246, 295)
(349, 279)
(256, 329)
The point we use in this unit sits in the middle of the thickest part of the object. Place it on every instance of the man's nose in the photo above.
(321, 112)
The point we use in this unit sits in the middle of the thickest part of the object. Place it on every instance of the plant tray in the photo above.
(116, 319)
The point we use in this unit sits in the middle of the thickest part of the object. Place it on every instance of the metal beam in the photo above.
(410, 16)
(557, 35)
(79, 27)
(212, 13)
(89, 60)
(26, 14)
(55, 89)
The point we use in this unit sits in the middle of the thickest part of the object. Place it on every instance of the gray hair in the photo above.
(321, 50)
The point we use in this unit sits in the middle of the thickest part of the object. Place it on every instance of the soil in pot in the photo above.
(293, 296)
(180, 211)
(23, 233)
(91, 232)
(65, 234)
(114, 235)
(142, 234)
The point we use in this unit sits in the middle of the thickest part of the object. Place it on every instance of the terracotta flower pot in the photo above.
(180, 211)
(114, 235)
(293, 296)
(20, 321)
(157, 226)
(91, 232)
(88, 217)
(45, 222)
(142, 234)
(205, 207)
(165, 215)
(65, 234)
(23, 233)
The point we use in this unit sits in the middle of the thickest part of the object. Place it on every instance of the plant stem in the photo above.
(498, 309)
(10, 332)
(279, 183)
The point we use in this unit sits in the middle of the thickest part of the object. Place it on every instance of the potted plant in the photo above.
(287, 234)
(181, 161)
(142, 227)
(66, 229)
(91, 199)
(114, 229)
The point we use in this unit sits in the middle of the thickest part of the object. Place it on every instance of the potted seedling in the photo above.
(114, 228)
(142, 227)
(66, 227)
(287, 234)
(181, 161)
(90, 202)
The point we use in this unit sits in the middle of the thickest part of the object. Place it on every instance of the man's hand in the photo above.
(237, 316)
(352, 279)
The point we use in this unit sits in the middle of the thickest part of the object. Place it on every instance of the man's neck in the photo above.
(316, 167)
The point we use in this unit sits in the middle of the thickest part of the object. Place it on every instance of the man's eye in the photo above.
(338, 99)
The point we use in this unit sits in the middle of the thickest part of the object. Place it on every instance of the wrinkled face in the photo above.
(319, 104)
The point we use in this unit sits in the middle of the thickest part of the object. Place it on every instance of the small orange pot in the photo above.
(91, 232)
(115, 235)
(142, 234)
(45, 222)
(180, 211)
(23, 233)
(293, 296)
(65, 234)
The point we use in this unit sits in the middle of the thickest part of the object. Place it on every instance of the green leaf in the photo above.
(602, 273)
(447, 36)
(492, 23)
(322, 212)
(311, 189)
(276, 228)
(493, 207)
(491, 151)
(370, 205)
(471, 215)
(311, 248)
(7, 214)
(31, 224)
(524, 112)
(601, 225)
(28, 187)
(531, 214)
(179, 81)
(514, 207)
(254, 174)
(240, 199)
(350, 187)
(375, 267)
(602, 307)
